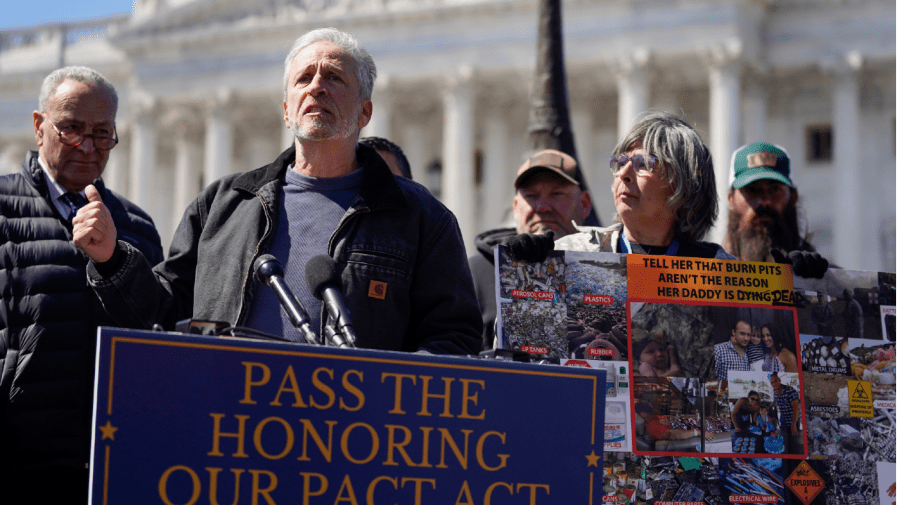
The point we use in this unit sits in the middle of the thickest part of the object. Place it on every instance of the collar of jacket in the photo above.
(379, 188)
(488, 240)
(31, 169)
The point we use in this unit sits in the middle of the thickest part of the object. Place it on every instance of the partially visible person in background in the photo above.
(763, 211)
(854, 316)
(391, 153)
(548, 197)
(822, 316)
(664, 193)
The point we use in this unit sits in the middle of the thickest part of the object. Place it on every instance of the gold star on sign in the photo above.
(593, 459)
(108, 431)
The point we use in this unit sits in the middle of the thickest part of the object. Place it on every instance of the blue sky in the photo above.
(22, 14)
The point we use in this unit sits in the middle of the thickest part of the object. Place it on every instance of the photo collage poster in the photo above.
(728, 382)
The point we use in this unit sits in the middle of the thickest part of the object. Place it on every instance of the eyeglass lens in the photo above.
(75, 139)
(640, 162)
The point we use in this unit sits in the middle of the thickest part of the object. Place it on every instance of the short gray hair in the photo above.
(86, 75)
(367, 71)
(686, 163)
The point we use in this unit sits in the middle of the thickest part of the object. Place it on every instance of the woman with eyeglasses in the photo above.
(664, 193)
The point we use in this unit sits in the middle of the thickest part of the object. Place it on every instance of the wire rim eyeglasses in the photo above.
(76, 139)
(641, 163)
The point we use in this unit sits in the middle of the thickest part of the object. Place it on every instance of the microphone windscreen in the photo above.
(265, 266)
(321, 270)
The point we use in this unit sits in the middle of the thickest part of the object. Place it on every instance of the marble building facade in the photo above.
(200, 95)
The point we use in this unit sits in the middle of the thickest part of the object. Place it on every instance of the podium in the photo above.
(186, 419)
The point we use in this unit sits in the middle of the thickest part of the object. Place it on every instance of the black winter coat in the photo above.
(48, 322)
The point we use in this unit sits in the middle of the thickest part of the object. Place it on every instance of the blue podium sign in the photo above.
(183, 419)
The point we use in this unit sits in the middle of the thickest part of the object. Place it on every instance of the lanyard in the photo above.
(637, 249)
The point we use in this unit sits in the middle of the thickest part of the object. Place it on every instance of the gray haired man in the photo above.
(49, 316)
(398, 251)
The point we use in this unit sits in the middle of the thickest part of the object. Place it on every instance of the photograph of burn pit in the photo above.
(596, 302)
(679, 415)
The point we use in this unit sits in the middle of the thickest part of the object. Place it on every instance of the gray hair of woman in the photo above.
(685, 162)
(366, 69)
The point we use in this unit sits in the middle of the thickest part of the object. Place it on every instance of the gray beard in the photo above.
(324, 131)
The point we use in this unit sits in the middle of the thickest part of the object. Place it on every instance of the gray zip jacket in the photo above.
(405, 278)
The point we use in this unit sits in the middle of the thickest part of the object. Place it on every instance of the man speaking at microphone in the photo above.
(403, 271)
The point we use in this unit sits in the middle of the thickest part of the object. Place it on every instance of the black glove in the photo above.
(531, 247)
(804, 263)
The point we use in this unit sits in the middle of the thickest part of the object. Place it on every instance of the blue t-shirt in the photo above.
(309, 210)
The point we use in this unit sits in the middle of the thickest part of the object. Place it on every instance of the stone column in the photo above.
(666, 99)
(413, 141)
(497, 186)
(381, 98)
(849, 220)
(755, 107)
(188, 165)
(141, 183)
(115, 175)
(725, 69)
(632, 72)
(458, 185)
(219, 138)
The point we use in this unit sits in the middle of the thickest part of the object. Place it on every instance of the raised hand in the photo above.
(804, 263)
(94, 232)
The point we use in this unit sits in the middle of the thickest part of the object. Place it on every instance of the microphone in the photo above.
(269, 271)
(333, 337)
(324, 282)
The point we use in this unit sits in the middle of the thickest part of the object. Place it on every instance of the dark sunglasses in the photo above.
(640, 162)
(754, 399)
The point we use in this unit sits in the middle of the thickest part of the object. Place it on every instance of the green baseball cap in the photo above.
(757, 161)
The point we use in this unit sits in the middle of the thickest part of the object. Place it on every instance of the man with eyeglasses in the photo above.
(763, 211)
(548, 197)
(49, 315)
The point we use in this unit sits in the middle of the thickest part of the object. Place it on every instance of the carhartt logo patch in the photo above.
(762, 160)
(377, 289)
